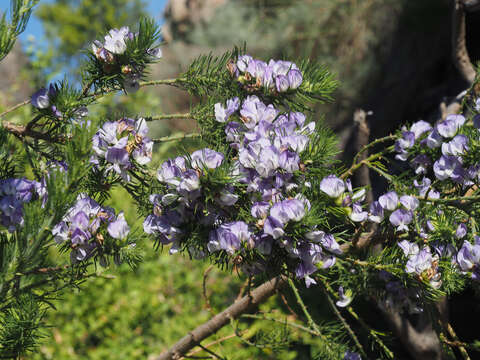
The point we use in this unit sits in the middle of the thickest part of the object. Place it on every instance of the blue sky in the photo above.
(34, 27)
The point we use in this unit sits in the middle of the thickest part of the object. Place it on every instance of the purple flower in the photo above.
(401, 218)
(389, 201)
(476, 121)
(189, 182)
(350, 355)
(457, 146)
(376, 212)
(281, 83)
(206, 158)
(421, 163)
(260, 209)
(273, 227)
(249, 113)
(226, 197)
(115, 40)
(329, 243)
(118, 143)
(294, 78)
(287, 210)
(289, 161)
(419, 262)
(230, 236)
(344, 299)
(40, 99)
(243, 62)
(14, 193)
(268, 161)
(222, 114)
(81, 224)
(358, 215)
(420, 127)
(332, 186)
(405, 142)
(408, 248)
(155, 53)
(434, 139)
(449, 127)
(461, 231)
(468, 256)
(445, 167)
(409, 202)
(119, 228)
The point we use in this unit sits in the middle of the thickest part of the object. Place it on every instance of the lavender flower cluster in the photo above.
(267, 145)
(439, 150)
(13, 194)
(278, 75)
(83, 228)
(118, 144)
(110, 54)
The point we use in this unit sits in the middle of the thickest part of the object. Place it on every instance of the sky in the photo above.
(34, 27)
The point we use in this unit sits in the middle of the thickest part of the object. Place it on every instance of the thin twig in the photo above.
(345, 324)
(373, 143)
(310, 322)
(210, 352)
(211, 344)
(169, 116)
(177, 137)
(288, 323)
(204, 287)
(454, 336)
(366, 161)
(15, 107)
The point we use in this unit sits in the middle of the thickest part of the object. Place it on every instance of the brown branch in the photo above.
(24, 131)
(459, 46)
(247, 304)
(15, 107)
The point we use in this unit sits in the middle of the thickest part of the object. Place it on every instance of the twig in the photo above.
(15, 107)
(372, 144)
(454, 336)
(177, 137)
(291, 324)
(350, 310)
(210, 352)
(211, 344)
(310, 322)
(345, 324)
(366, 161)
(169, 116)
(161, 82)
(204, 287)
(246, 304)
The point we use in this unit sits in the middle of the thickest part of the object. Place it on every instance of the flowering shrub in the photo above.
(263, 195)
